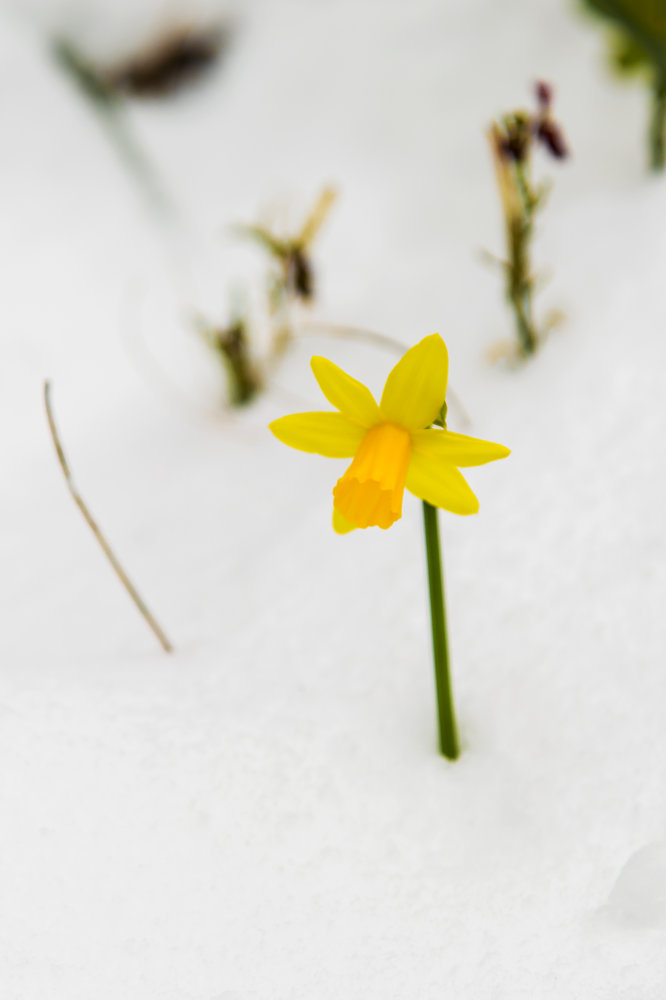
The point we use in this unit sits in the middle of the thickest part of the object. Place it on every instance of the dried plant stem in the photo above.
(92, 524)
(519, 280)
(108, 105)
(314, 328)
(512, 138)
(128, 146)
(519, 285)
(658, 125)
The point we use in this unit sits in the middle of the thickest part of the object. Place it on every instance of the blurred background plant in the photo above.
(177, 56)
(232, 344)
(291, 278)
(288, 283)
(637, 44)
(512, 138)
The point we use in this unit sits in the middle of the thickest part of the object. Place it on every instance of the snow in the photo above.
(263, 814)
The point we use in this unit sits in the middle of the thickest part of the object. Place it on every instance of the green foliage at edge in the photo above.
(641, 37)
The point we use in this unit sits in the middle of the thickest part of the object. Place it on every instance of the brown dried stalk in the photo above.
(94, 527)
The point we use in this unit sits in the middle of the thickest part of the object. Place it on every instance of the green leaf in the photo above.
(641, 25)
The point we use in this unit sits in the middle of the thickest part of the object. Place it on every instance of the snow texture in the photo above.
(262, 815)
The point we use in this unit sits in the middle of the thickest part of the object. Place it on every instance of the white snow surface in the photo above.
(263, 815)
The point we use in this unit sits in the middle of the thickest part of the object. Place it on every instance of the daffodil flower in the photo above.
(393, 445)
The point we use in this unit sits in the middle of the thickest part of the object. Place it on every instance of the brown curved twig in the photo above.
(94, 527)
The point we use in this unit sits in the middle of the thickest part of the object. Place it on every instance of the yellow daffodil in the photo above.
(393, 445)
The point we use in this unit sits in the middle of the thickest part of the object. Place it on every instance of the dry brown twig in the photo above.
(94, 527)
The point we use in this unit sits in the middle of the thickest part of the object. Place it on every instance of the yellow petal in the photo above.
(328, 434)
(416, 388)
(346, 394)
(456, 449)
(441, 485)
(340, 523)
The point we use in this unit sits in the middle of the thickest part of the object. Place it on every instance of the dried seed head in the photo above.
(300, 280)
(550, 135)
(546, 129)
(544, 94)
(173, 60)
(516, 137)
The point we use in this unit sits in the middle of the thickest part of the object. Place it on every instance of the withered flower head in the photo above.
(515, 142)
(300, 280)
(551, 136)
(546, 129)
(544, 94)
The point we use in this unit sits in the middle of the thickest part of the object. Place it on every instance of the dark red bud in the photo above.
(552, 137)
(544, 94)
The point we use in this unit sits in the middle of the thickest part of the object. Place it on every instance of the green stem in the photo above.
(520, 296)
(658, 125)
(108, 105)
(519, 282)
(525, 192)
(448, 730)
